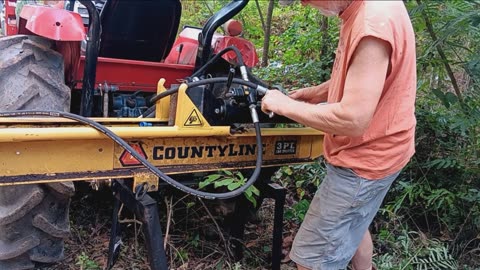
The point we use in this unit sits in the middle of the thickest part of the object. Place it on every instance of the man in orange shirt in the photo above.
(369, 123)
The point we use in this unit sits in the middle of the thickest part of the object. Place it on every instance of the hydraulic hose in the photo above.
(146, 163)
(148, 112)
(174, 90)
(217, 56)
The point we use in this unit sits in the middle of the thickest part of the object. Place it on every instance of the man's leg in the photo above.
(362, 260)
(299, 267)
(337, 219)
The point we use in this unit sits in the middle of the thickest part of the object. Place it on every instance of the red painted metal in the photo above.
(53, 23)
(233, 28)
(10, 18)
(131, 75)
(184, 50)
(188, 42)
(247, 49)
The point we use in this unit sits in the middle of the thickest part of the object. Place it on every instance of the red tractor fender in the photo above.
(246, 48)
(53, 23)
(184, 50)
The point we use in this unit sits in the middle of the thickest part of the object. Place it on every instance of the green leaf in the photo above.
(438, 93)
(299, 183)
(234, 185)
(248, 192)
(255, 190)
(229, 173)
(288, 171)
(222, 183)
(210, 179)
(240, 176)
(451, 98)
(213, 177)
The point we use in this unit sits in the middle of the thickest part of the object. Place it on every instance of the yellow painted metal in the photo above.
(163, 105)
(55, 149)
(86, 178)
(317, 146)
(200, 151)
(188, 115)
(144, 178)
(87, 133)
(55, 157)
(134, 132)
(191, 154)
(34, 121)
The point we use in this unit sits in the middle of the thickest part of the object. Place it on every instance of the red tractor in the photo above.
(128, 46)
(105, 62)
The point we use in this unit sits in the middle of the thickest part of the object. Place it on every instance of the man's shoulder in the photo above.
(384, 9)
(382, 19)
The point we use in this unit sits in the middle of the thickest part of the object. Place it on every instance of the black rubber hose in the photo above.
(149, 111)
(217, 56)
(144, 162)
(202, 82)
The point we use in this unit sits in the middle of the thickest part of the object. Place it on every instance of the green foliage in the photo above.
(196, 13)
(438, 190)
(298, 211)
(85, 263)
(304, 179)
(231, 181)
(410, 250)
(302, 54)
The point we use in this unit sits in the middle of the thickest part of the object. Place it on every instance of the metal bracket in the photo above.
(146, 210)
(146, 179)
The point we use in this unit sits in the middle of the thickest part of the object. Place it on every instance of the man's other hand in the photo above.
(314, 94)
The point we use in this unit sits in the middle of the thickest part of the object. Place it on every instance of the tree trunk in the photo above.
(262, 20)
(268, 27)
(440, 51)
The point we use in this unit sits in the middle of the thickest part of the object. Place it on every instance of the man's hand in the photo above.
(274, 101)
(314, 94)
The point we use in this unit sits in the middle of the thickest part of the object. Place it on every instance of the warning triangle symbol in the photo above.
(193, 119)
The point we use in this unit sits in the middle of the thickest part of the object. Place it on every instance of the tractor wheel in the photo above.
(33, 218)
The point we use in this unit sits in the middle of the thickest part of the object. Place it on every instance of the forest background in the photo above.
(431, 217)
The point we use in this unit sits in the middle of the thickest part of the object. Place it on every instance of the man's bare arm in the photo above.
(363, 88)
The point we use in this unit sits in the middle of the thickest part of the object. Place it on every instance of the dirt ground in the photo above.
(196, 237)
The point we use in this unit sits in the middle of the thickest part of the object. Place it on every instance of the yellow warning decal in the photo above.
(193, 119)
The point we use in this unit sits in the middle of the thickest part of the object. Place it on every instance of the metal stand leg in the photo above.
(145, 208)
(115, 239)
(239, 219)
(277, 193)
(237, 226)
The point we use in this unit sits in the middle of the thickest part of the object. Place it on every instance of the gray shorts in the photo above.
(339, 215)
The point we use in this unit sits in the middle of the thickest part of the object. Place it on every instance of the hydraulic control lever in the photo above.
(252, 96)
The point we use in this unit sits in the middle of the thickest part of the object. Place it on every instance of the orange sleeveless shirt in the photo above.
(388, 143)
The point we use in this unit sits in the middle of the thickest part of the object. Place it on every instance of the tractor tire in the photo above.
(33, 218)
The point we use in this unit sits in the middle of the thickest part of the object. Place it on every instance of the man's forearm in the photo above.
(330, 118)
